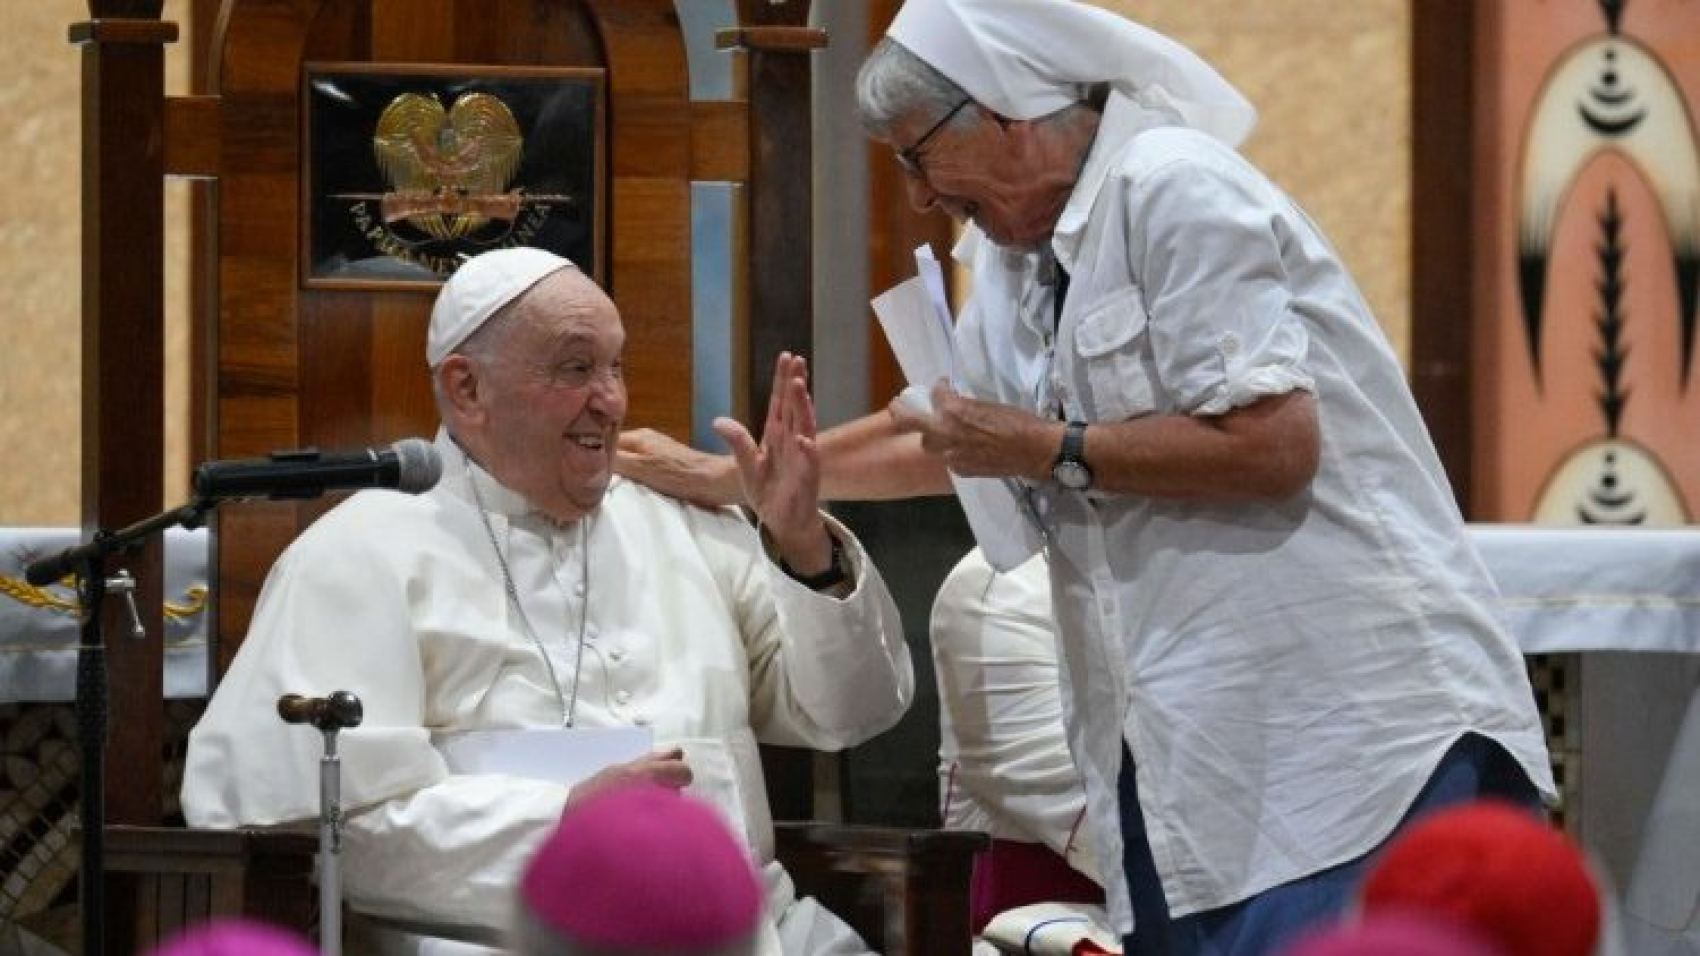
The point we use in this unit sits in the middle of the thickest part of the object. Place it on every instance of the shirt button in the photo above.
(623, 697)
(617, 654)
(640, 720)
(1229, 344)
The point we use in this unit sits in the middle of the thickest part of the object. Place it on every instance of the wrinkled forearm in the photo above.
(1267, 451)
(869, 459)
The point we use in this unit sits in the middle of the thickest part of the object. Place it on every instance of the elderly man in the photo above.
(533, 589)
(1276, 642)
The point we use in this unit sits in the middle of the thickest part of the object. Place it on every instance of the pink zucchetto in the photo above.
(1392, 934)
(1029, 58)
(234, 937)
(479, 289)
(643, 869)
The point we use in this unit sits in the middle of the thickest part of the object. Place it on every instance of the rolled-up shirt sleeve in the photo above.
(1225, 328)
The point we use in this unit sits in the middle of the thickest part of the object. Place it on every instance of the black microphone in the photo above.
(339, 711)
(411, 465)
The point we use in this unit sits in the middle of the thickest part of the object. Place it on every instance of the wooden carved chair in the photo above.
(290, 361)
(905, 891)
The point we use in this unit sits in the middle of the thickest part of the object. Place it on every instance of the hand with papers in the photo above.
(582, 759)
(918, 324)
(665, 768)
(980, 438)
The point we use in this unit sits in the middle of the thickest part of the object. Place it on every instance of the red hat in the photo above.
(1499, 870)
(643, 867)
(1392, 934)
(235, 937)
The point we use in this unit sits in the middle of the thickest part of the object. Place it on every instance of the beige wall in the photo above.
(1333, 84)
(39, 268)
(1331, 79)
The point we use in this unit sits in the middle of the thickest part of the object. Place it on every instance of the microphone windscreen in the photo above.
(420, 465)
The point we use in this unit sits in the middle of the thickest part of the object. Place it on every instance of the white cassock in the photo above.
(1004, 765)
(686, 628)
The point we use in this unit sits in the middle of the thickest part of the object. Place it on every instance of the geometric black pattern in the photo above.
(39, 850)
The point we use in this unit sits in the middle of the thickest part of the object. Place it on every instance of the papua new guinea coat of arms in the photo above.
(412, 174)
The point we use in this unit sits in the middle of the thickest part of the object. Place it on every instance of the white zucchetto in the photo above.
(479, 289)
(1024, 59)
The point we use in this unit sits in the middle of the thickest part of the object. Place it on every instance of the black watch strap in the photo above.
(1073, 443)
(1069, 469)
(835, 574)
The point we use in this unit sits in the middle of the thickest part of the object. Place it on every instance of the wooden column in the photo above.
(123, 403)
(124, 354)
(1443, 251)
(776, 41)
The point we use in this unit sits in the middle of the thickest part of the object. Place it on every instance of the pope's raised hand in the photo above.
(781, 473)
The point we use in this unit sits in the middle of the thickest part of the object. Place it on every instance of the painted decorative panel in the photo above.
(1589, 402)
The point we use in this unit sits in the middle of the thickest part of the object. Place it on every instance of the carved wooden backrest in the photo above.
(297, 364)
(293, 363)
(280, 363)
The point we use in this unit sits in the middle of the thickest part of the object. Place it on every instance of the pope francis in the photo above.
(533, 589)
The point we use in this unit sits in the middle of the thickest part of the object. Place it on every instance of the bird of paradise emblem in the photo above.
(450, 176)
(448, 170)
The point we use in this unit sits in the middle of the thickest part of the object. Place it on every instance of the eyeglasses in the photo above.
(910, 156)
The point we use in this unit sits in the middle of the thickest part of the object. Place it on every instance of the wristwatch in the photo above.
(1070, 469)
(836, 573)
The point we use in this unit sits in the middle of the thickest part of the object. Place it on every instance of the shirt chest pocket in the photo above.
(1115, 374)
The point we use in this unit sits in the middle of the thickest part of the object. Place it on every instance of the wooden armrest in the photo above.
(175, 877)
(919, 877)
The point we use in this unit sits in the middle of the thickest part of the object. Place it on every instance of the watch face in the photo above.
(1072, 474)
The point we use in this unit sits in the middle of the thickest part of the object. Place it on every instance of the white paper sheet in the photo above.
(923, 346)
(918, 324)
(564, 755)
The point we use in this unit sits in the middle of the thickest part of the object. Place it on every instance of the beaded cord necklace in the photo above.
(568, 705)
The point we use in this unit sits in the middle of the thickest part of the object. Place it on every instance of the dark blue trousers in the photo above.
(1472, 768)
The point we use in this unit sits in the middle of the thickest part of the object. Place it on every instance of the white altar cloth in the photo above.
(39, 629)
(1596, 589)
(1564, 589)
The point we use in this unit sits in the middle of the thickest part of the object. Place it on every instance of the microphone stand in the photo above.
(88, 562)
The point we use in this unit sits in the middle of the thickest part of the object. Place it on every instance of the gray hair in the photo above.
(894, 83)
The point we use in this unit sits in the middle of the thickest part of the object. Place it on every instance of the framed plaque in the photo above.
(411, 170)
